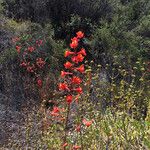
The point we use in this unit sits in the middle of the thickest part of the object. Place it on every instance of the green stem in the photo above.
(66, 124)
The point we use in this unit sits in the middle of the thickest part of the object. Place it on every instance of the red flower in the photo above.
(78, 128)
(69, 99)
(18, 48)
(39, 42)
(63, 73)
(76, 80)
(40, 62)
(80, 69)
(30, 48)
(68, 65)
(67, 53)
(39, 83)
(82, 51)
(31, 68)
(78, 58)
(65, 144)
(63, 86)
(75, 39)
(76, 147)
(74, 42)
(23, 64)
(78, 90)
(80, 34)
(74, 59)
(55, 111)
(87, 123)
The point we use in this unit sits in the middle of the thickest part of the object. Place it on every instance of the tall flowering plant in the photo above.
(71, 84)
(34, 64)
(31, 56)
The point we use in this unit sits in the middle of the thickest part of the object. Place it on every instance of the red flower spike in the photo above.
(31, 48)
(68, 65)
(87, 123)
(76, 80)
(82, 51)
(68, 53)
(80, 69)
(79, 90)
(69, 99)
(39, 83)
(63, 73)
(18, 48)
(63, 86)
(76, 147)
(80, 34)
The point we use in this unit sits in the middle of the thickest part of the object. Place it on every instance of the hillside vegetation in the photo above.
(75, 74)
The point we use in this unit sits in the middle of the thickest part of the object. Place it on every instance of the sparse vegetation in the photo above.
(78, 74)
